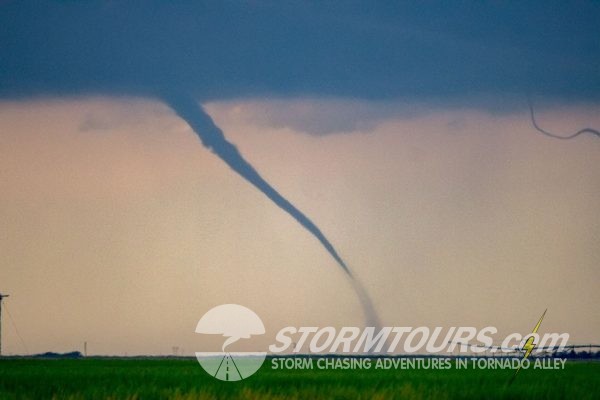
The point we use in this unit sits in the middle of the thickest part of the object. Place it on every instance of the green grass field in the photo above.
(185, 379)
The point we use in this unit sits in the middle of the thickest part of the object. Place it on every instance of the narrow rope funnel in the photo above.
(554, 135)
(213, 138)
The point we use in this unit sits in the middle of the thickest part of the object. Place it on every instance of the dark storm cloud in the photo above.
(220, 50)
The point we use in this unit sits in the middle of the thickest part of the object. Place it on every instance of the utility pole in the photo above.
(2, 296)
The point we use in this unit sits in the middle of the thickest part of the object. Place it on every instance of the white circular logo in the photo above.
(234, 322)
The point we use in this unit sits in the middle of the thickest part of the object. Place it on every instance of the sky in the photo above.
(402, 132)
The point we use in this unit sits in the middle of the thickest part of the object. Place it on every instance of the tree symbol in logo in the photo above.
(234, 322)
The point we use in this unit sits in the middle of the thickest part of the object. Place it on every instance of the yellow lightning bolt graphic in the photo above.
(529, 345)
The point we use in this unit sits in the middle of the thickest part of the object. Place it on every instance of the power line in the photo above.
(2, 296)
(12, 321)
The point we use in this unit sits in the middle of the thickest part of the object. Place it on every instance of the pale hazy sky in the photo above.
(120, 229)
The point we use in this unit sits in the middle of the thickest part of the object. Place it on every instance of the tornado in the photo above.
(211, 136)
(554, 135)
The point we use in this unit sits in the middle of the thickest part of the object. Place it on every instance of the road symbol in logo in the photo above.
(234, 322)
